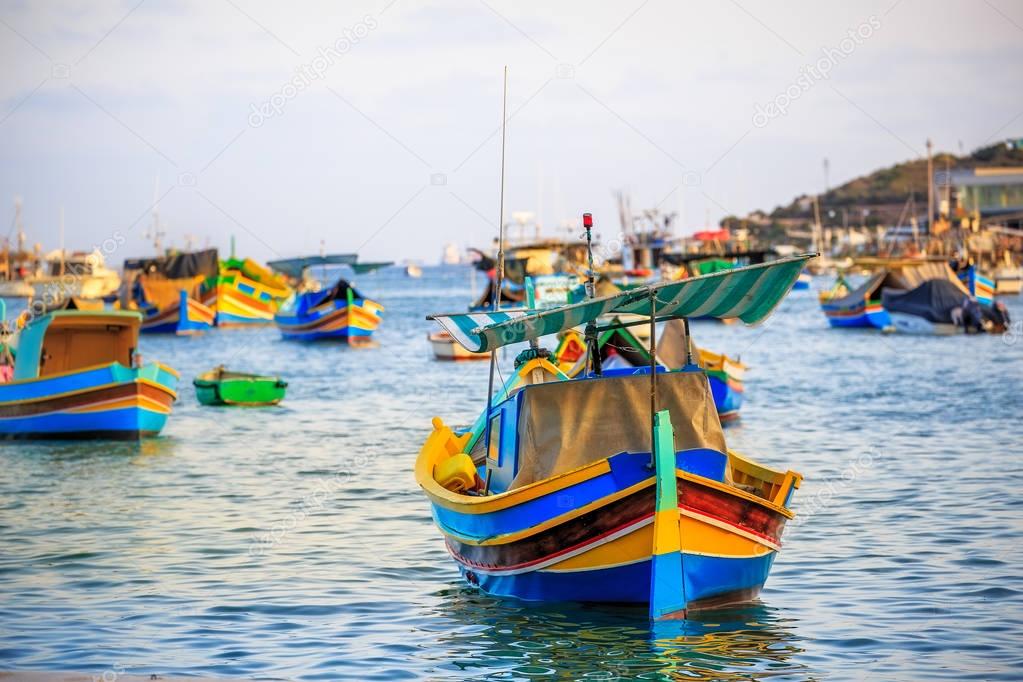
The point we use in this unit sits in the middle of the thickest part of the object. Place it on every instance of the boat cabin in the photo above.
(547, 426)
(68, 340)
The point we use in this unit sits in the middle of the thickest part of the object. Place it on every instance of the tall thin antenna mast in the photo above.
(61, 241)
(500, 223)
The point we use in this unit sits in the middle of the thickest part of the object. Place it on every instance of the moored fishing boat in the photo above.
(221, 386)
(162, 315)
(244, 293)
(167, 291)
(863, 306)
(845, 306)
(803, 282)
(725, 376)
(445, 347)
(340, 313)
(75, 377)
(1008, 280)
(550, 495)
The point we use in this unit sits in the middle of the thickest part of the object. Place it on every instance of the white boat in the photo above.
(446, 348)
(78, 274)
(16, 288)
(1008, 280)
(451, 254)
(413, 270)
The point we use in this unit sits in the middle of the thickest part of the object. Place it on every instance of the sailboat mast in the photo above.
(500, 219)
(61, 241)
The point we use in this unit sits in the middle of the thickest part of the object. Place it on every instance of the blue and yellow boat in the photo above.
(167, 290)
(551, 494)
(340, 313)
(863, 306)
(845, 306)
(75, 376)
(244, 293)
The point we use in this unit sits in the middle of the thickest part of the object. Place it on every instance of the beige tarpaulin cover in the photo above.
(567, 424)
(671, 345)
(166, 292)
(915, 275)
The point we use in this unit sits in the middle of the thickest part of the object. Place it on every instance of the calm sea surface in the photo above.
(293, 542)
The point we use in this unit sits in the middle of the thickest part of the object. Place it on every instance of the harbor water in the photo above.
(292, 542)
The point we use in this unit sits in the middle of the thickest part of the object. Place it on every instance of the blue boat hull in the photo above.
(727, 400)
(110, 401)
(867, 316)
(334, 319)
(705, 579)
(185, 317)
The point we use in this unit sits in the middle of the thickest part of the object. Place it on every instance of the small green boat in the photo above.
(220, 386)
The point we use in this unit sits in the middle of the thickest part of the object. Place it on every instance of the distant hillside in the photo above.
(882, 193)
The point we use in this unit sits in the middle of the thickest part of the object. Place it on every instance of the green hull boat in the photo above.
(223, 387)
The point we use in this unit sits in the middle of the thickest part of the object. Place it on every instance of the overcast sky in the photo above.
(373, 126)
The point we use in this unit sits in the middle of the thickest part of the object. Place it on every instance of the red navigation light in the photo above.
(587, 220)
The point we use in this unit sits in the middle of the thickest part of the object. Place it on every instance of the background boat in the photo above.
(221, 386)
(167, 291)
(445, 347)
(244, 293)
(339, 312)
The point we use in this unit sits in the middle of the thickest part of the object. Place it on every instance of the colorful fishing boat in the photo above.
(803, 282)
(862, 306)
(244, 293)
(167, 291)
(725, 375)
(221, 386)
(339, 312)
(845, 306)
(624, 347)
(550, 495)
(76, 375)
(161, 314)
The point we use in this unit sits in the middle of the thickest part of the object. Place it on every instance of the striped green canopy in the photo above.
(748, 293)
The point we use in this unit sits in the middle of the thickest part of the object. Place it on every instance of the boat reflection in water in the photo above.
(487, 637)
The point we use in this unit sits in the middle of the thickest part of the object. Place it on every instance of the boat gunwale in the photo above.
(511, 498)
(88, 368)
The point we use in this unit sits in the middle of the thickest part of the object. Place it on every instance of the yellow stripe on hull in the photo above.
(238, 304)
(141, 401)
(697, 538)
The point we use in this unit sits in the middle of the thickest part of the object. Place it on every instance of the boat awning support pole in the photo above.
(667, 579)
(500, 280)
(590, 334)
(653, 376)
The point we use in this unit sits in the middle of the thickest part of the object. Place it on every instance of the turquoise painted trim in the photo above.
(30, 348)
(114, 373)
(667, 592)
